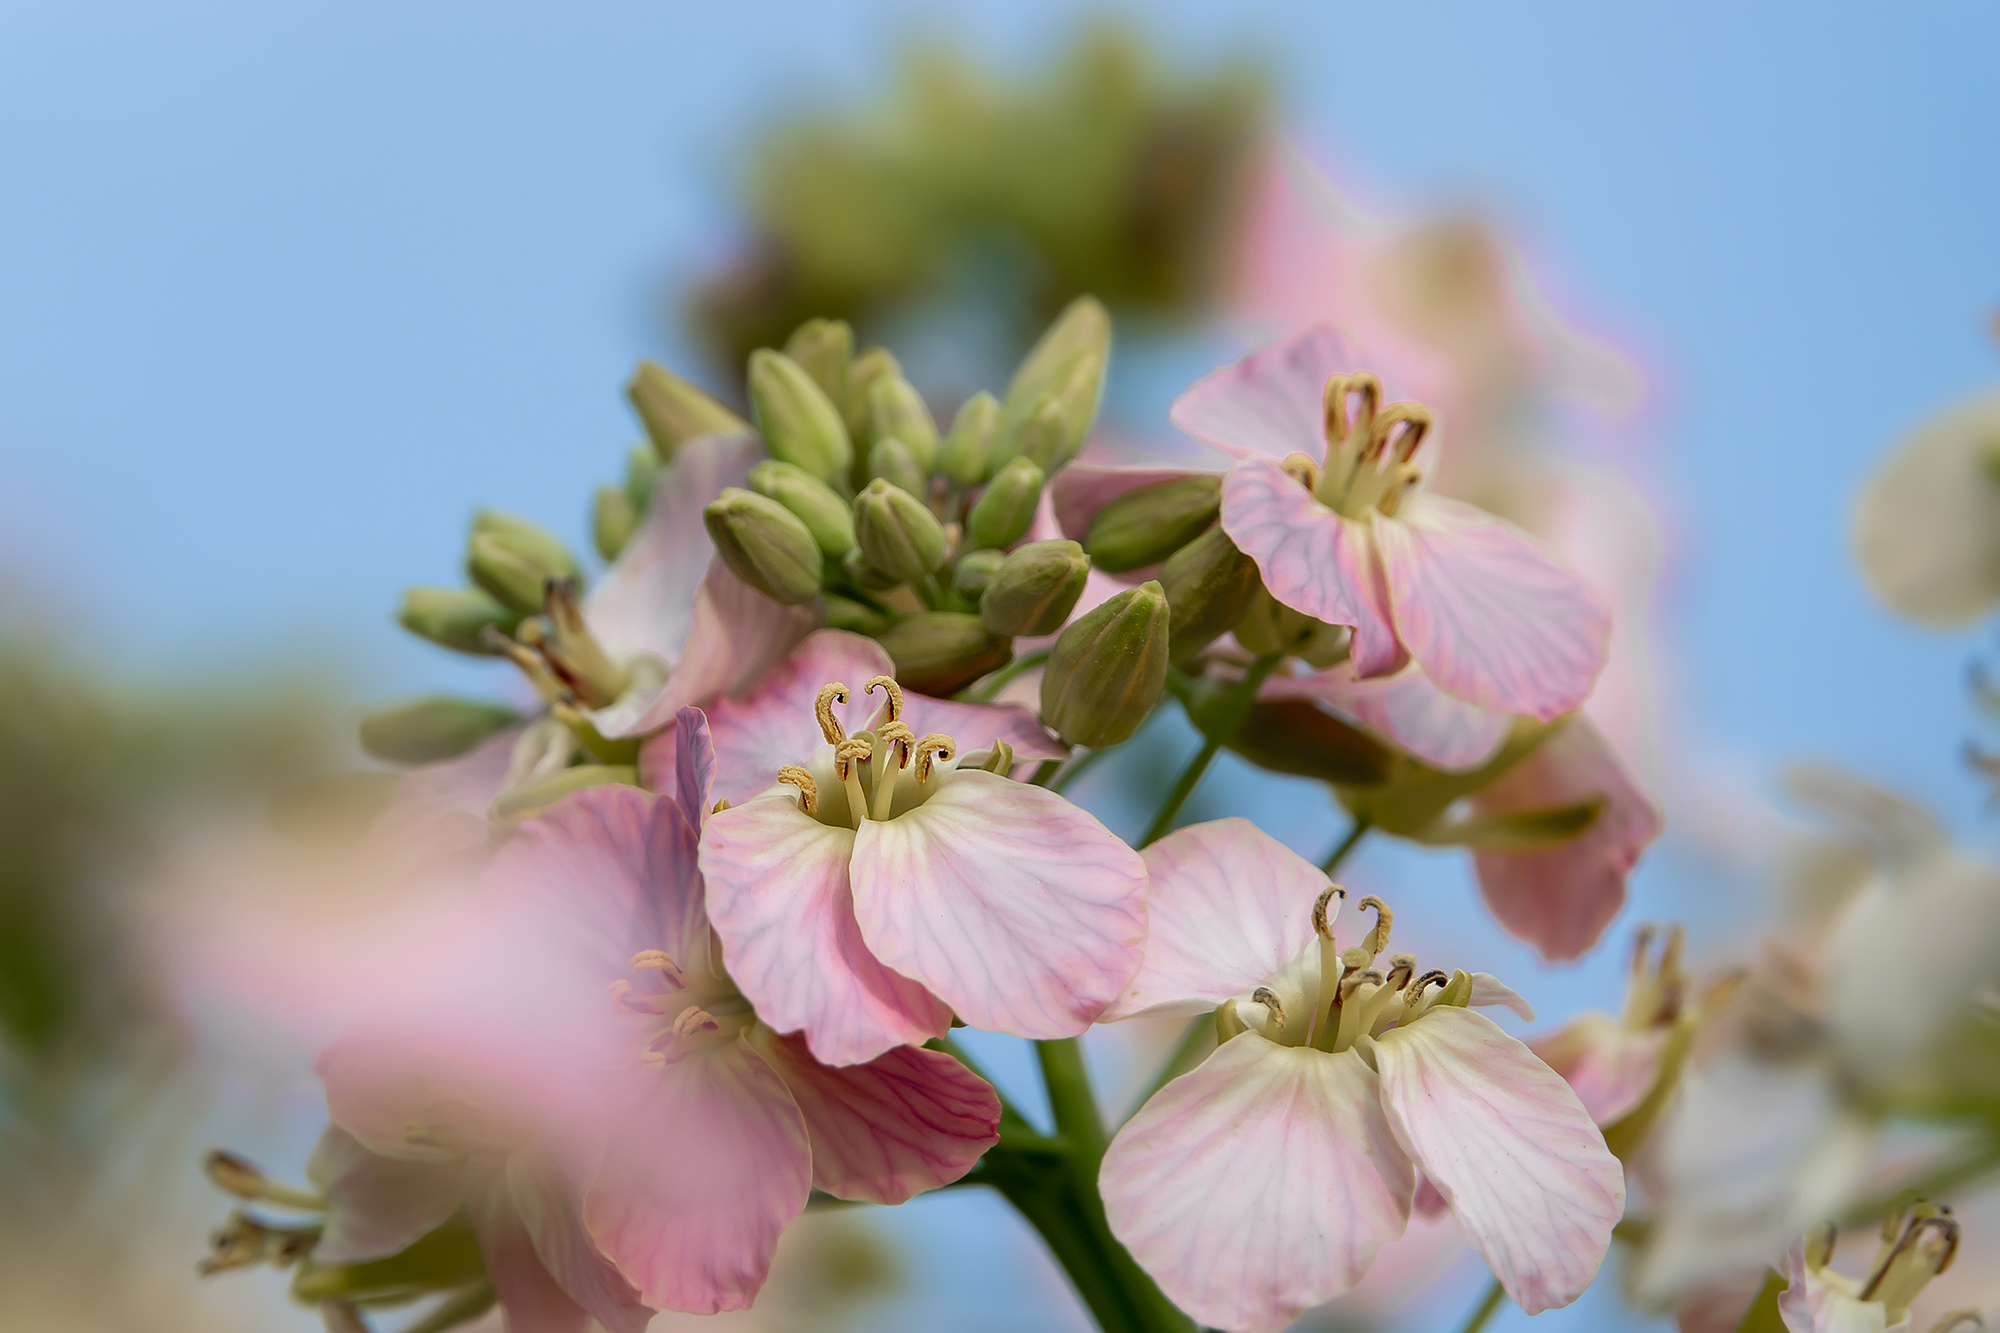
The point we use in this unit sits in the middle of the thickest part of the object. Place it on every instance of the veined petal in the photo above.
(1312, 559)
(1561, 898)
(1489, 616)
(1018, 909)
(1505, 1140)
(1407, 709)
(694, 765)
(377, 1205)
(907, 1121)
(645, 604)
(1258, 1185)
(1611, 1067)
(550, 1212)
(1081, 489)
(1488, 990)
(778, 891)
(710, 1164)
(1227, 905)
(1270, 402)
(530, 1297)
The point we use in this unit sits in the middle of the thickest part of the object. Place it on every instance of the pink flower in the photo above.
(691, 1131)
(1263, 1182)
(878, 881)
(1916, 1246)
(1344, 530)
(1612, 1063)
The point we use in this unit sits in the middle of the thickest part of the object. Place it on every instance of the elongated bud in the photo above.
(1084, 327)
(540, 793)
(965, 457)
(1209, 583)
(896, 411)
(891, 460)
(973, 572)
(642, 471)
(1050, 429)
(613, 520)
(1145, 526)
(939, 652)
(675, 412)
(1269, 626)
(817, 505)
(854, 617)
(1006, 508)
(426, 730)
(862, 372)
(455, 618)
(1035, 589)
(798, 421)
(897, 533)
(823, 348)
(765, 544)
(1107, 670)
(512, 559)
(864, 575)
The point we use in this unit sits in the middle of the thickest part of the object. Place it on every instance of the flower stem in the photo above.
(1226, 723)
(1346, 845)
(1488, 1305)
(1000, 679)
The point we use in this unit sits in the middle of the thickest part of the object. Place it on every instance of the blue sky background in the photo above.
(284, 290)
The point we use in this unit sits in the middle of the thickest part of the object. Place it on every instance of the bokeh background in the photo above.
(285, 290)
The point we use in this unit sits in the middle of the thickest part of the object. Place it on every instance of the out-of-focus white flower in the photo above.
(1927, 524)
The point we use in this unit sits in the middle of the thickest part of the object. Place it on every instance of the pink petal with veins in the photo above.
(1258, 1185)
(1270, 402)
(550, 1212)
(1505, 1140)
(709, 1164)
(1561, 898)
(1312, 559)
(1489, 615)
(1018, 909)
(531, 1299)
(1227, 905)
(1407, 710)
(907, 1121)
(778, 890)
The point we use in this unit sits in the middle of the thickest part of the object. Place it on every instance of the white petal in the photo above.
(1927, 525)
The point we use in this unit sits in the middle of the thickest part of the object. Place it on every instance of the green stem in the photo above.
(1488, 1305)
(1070, 1099)
(1346, 845)
(1076, 769)
(1000, 679)
(1045, 773)
(1226, 723)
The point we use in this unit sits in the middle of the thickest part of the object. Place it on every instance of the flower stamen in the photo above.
(935, 746)
(1377, 939)
(1267, 997)
(808, 789)
(893, 693)
(829, 725)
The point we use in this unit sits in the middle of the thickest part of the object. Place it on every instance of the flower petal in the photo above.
(377, 1205)
(1271, 401)
(694, 765)
(1489, 616)
(1505, 1140)
(1018, 909)
(1561, 898)
(1611, 1067)
(710, 1165)
(1406, 708)
(907, 1121)
(1227, 905)
(1312, 559)
(1258, 1185)
(1927, 524)
(779, 894)
(550, 1213)
(646, 603)
(1488, 989)
(531, 1298)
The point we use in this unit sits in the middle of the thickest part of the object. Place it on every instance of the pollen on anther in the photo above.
(1322, 927)
(1267, 997)
(808, 789)
(936, 745)
(900, 740)
(894, 692)
(849, 750)
(829, 725)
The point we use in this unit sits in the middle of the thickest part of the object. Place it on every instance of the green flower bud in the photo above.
(965, 457)
(816, 504)
(1107, 670)
(823, 348)
(535, 542)
(675, 412)
(1146, 525)
(613, 520)
(1006, 508)
(642, 471)
(1209, 583)
(940, 652)
(765, 544)
(862, 372)
(1035, 589)
(892, 461)
(864, 575)
(798, 421)
(513, 560)
(974, 571)
(1269, 626)
(1084, 327)
(427, 730)
(455, 618)
(854, 617)
(896, 411)
(897, 532)
(1051, 428)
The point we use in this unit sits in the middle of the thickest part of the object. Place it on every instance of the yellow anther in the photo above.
(656, 960)
(694, 1019)
(937, 745)
(900, 740)
(1377, 939)
(1401, 967)
(889, 687)
(1333, 400)
(718, 807)
(620, 989)
(808, 789)
(1322, 919)
(829, 725)
(1267, 997)
(1415, 990)
(1416, 422)
(1302, 469)
(849, 750)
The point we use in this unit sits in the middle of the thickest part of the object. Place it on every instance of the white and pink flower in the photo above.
(1263, 1182)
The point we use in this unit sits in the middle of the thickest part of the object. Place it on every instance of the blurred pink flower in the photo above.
(887, 881)
(1263, 1182)
(688, 1132)
(1612, 1063)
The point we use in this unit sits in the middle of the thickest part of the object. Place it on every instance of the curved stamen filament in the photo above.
(893, 692)
(893, 742)
(1325, 907)
(829, 725)
(1267, 997)
(808, 789)
(935, 746)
